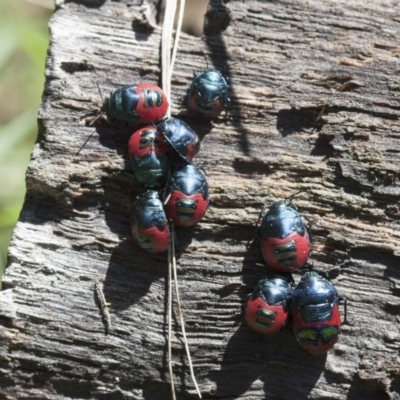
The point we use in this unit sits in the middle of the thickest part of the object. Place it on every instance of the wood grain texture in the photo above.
(287, 61)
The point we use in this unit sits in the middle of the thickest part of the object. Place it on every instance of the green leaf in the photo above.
(8, 43)
(34, 41)
(8, 219)
(9, 215)
(17, 130)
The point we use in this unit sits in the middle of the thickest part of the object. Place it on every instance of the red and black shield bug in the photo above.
(149, 223)
(284, 239)
(315, 313)
(182, 138)
(267, 308)
(207, 94)
(142, 103)
(186, 196)
(148, 154)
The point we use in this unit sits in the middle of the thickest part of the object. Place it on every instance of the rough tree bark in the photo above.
(287, 61)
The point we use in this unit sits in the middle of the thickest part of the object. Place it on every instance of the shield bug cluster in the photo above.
(161, 154)
(161, 158)
(312, 306)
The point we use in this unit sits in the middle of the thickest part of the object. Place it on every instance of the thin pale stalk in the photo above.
(180, 313)
(166, 41)
(171, 376)
(177, 35)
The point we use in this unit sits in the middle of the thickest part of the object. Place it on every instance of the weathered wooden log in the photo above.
(315, 110)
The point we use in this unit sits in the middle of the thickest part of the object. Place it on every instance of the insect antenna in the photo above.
(101, 113)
